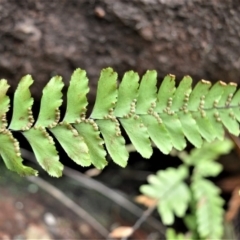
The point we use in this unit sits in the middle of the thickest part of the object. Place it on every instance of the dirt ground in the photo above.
(30, 211)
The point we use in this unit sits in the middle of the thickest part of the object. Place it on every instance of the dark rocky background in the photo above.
(43, 38)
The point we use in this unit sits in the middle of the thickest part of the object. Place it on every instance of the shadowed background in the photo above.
(195, 37)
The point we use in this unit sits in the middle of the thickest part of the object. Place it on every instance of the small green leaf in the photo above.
(228, 93)
(167, 186)
(4, 102)
(210, 106)
(166, 213)
(94, 142)
(214, 95)
(10, 152)
(165, 93)
(106, 93)
(138, 135)
(158, 133)
(51, 101)
(174, 129)
(72, 143)
(190, 129)
(197, 99)
(76, 96)
(44, 150)
(127, 93)
(180, 93)
(229, 121)
(22, 118)
(213, 116)
(227, 115)
(147, 93)
(204, 126)
(114, 141)
(208, 152)
(198, 93)
(208, 169)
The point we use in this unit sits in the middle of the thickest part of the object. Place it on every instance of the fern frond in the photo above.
(168, 117)
(209, 209)
(167, 186)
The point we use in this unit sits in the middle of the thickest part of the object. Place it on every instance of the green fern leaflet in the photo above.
(167, 186)
(167, 116)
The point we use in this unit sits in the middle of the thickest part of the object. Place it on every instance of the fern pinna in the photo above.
(166, 117)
